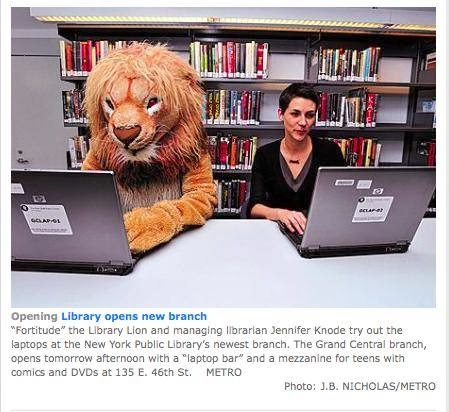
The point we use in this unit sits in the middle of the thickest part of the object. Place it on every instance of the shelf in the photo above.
(73, 78)
(275, 125)
(232, 171)
(288, 81)
(317, 83)
(66, 124)
(226, 215)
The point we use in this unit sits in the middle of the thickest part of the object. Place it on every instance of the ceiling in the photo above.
(23, 25)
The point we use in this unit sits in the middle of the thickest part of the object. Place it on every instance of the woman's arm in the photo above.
(258, 203)
(295, 221)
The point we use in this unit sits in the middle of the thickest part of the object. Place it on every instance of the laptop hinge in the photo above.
(402, 243)
(313, 247)
(116, 263)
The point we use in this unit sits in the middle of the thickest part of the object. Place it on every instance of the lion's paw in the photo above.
(148, 228)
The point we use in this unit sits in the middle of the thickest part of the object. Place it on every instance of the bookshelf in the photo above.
(405, 84)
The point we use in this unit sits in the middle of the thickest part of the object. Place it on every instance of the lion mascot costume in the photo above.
(143, 103)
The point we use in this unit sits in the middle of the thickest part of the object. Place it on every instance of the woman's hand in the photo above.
(295, 221)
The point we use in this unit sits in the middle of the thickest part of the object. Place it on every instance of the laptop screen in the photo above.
(67, 216)
(366, 206)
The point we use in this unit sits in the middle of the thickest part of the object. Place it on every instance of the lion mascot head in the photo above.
(143, 103)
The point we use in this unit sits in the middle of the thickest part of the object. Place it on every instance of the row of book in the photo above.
(428, 150)
(230, 59)
(232, 107)
(78, 148)
(347, 64)
(78, 58)
(357, 108)
(232, 152)
(72, 103)
(359, 151)
(231, 195)
(429, 62)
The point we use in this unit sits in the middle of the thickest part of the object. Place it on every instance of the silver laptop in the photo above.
(357, 211)
(67, 221)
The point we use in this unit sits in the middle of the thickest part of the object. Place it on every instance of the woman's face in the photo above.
(298, 118)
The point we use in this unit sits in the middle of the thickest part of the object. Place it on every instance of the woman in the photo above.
(284, 172)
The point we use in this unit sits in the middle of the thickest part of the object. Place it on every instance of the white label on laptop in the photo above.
(344, 182)
(364, 184)
(372, 209)
(17, 189)
(47, 219)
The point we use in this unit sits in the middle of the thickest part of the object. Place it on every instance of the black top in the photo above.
(268, 185)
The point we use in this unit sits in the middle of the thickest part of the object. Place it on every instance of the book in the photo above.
(430, 61)
(231, 194)
(62, 59)
(78, 148)
(69, 58)
(431, 153)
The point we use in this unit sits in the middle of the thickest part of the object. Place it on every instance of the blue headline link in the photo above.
(114, 317)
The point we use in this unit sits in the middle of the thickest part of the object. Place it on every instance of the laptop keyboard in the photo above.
(294, 237)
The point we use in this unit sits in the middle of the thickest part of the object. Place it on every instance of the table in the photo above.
(247, 264)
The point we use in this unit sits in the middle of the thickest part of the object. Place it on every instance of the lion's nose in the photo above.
(127, 134)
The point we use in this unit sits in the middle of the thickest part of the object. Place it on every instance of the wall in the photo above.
(36, 105)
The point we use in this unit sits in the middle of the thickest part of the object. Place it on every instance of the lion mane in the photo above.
(171, 139)
(143, 104)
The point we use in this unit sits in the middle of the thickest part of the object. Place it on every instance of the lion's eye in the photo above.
(109, 103)
(152, 102)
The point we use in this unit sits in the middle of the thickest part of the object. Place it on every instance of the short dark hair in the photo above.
(297, 90)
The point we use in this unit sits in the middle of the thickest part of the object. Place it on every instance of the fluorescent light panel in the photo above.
(240, 21)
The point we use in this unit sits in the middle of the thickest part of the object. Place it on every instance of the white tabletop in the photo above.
(244, 263)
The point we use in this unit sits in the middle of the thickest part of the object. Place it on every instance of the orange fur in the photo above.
(144, 108)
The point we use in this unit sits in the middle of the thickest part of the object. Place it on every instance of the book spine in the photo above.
(84, 58)
(376, 64)
(324, 65)
(76, 58)
(69, 58)
(259, 96)
(250, 107)
(237, 60)
(90, 63)
(210, 106)
(220, 58)
(265, 61)
(231, 62)
(210, 60)
(62, 58)
(373, 152)
(223, 153)
(370, 107)
(245, 101)
(247, 60)
(260, 53)
(378, 150)
(253, 149)
(65, 108)
(431, 150)
(221, 118)
(369, 143)
(253, 59)
(216, 106)
(324, 100)
(233, 156)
